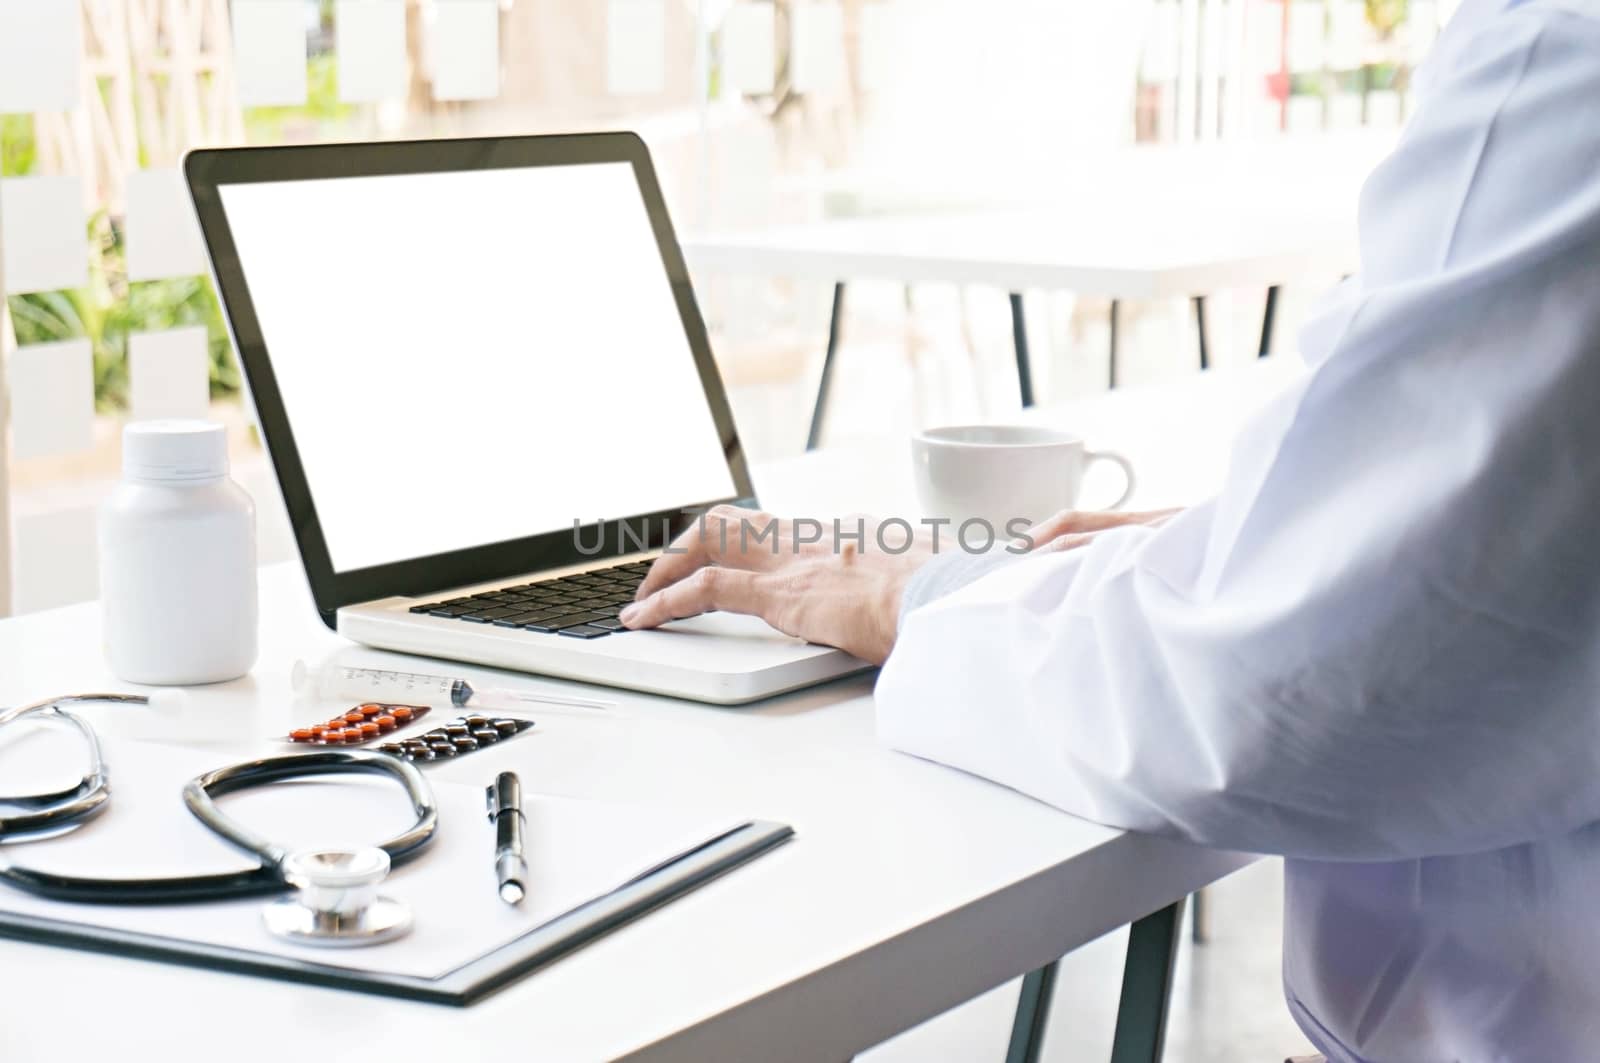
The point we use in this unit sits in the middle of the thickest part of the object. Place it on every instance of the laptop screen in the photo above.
(472, 357)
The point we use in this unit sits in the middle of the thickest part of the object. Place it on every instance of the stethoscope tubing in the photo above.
(91, 795)
(44, 812)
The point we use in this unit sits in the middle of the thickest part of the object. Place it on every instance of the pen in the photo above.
(510, 860)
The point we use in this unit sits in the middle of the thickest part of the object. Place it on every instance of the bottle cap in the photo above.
(174, 450)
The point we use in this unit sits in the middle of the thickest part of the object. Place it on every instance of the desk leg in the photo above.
(815, 436)
(1019, 338)
(1200, 324)
(1267, 320)
(1146, 987)
(1116, 320)
(1033, 1012)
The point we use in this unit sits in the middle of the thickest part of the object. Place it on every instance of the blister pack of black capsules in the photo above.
(456, 738)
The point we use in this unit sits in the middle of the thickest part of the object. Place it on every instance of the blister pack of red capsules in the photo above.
(362, 724)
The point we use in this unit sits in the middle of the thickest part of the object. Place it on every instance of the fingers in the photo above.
(1063, 543)
(709, 588)
(724, 535)
(1075, 522)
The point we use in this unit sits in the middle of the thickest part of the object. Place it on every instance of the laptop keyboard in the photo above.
(584, 606)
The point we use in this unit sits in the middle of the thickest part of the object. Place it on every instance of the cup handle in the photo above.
(1121, 462)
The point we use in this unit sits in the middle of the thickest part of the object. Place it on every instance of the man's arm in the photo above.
(1382, 640)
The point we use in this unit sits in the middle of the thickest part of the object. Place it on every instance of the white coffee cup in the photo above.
(1004, 474)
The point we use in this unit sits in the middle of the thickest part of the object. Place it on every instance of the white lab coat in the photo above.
(1377, 651)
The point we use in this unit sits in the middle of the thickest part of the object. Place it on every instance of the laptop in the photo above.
(489, 400)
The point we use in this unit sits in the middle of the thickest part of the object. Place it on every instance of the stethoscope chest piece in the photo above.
(336, 901)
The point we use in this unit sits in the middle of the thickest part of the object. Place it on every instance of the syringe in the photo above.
(418, 688)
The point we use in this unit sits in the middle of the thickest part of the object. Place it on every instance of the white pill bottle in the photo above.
(178, 559)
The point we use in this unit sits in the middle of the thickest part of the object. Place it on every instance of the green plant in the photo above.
(1387, 16)
(18, 152)
(110, 309)
(273, 125)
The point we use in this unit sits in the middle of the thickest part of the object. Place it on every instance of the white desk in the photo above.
(909, 889)
(1148, 223)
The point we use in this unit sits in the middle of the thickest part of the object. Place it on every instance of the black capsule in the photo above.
(394, 749)
(466, 744)
(507, 728)
(486, 735)
(475, 721)
(457, 730)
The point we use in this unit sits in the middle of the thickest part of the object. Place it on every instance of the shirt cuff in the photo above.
(947, 573)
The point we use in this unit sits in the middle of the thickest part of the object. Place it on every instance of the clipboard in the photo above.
(465, 985)
(597, 867)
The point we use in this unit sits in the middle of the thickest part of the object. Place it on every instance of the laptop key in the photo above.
(497, 614)
(609, 625)
(584, 631)
(516, 619)
(546, 622)
(575, 619)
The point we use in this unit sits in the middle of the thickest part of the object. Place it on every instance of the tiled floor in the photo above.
(1227, 1002)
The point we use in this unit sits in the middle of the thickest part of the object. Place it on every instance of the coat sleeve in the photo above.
(1381, 640)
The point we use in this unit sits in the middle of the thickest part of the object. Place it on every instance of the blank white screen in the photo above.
(466, 358)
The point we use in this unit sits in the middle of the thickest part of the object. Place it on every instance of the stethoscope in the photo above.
(336, 900)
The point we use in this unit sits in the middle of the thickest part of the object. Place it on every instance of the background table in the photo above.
(909, 889)
(1146, 223)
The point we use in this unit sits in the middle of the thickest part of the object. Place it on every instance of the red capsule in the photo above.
(370, 730)
(387, 722)
(401, 713)
(302, 736)
(370, 710)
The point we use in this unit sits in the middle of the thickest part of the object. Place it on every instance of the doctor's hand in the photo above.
(1072, 528)
(796, 575)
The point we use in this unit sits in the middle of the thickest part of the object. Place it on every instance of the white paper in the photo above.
(41, 55)
(269, 52)
(52, 398)
(466, 49)
(51, 532)
(169, 374)
(1305, 114)
(163, 237)
(816, 57)
(1159, 61)
(1348, 35)
(1266, 35)
(1421, 29)
(577, 850)
(1384, 109)
(1344, 111)
(1307, 36)
(883, 33)
(372, 50)
(750, 48)
(45, 232)
(636, 47)
(1268, 114)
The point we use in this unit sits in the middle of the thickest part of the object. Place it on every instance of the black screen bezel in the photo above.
(207, 170)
